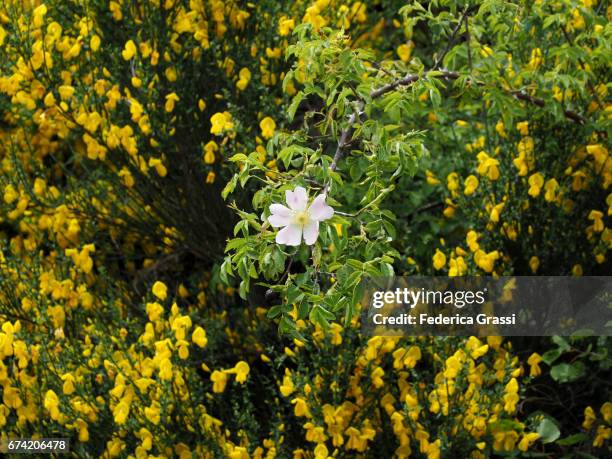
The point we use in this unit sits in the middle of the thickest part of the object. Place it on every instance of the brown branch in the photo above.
(408, 80)
(570, 114)
(427, 207)
(453, 36)
(343, 142)
(412, 78)
(446, 74)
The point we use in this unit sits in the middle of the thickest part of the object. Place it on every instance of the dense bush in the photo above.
(147, 306)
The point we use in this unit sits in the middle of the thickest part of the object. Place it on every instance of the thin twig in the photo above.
(450, 75)
(427, 207)
(570, 114)
(344, 214)
(582, 66)
(342, 143)
(408, 80)
(453, 36)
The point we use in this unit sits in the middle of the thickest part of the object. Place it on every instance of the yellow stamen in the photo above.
(301, 218)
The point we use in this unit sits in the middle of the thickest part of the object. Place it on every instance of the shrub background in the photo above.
(142, 294)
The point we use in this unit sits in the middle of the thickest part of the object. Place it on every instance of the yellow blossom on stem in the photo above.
(129, 50)
(244, 76)
(606, 412)
(536, 182)
(404, 51)
(534, 264)
(51, 403)
(589, 418)
(511, 396)
(551, 187)
(209, 152)
(221, 122)
(160, 290)
(94, 43)
(527, 440)
(199, 337)
(241, 370)
(171, 99)
(285, 25)
(523, 128)
(534, 364)
(267, 126)
(439, 260)
(219, 380)
(471, 183)
(596, 217)
(301, 407)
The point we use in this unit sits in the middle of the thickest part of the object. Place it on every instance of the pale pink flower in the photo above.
(299, 218)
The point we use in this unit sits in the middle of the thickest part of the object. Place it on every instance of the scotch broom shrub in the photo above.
(148, 307)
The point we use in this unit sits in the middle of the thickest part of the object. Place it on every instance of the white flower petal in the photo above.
(277, 220)
(281, 215)
(319, 210)
(311, 232)
(280, 210)
(297, 199)
(290, 235)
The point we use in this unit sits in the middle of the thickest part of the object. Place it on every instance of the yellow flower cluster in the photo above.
(499, 208)
(382, 374)
(115, 330)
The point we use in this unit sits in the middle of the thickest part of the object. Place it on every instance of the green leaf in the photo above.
(235, 244)
(325, 313)
(226, 270)
(286, 154)
(241, 225)
(287, 326)
(243, 289)
(316, 254)
(561, 342)
(231, 185)
(548, 430)
(572, 439)
(336, 177)
(294, 295)
(566, 372)
(275, 311)
(320, 315)
(295, 103)
(288, 75)
(550, 356)
(238, 157)
(356, 264)
(435, 97)
(387, 270)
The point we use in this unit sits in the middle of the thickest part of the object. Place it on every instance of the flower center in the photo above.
(301, 218)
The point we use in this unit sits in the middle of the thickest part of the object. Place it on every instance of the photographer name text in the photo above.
(441, 319)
